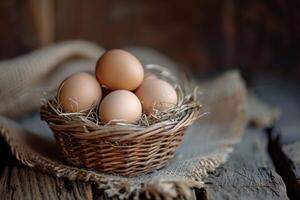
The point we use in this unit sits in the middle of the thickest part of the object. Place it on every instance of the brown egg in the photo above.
(79, 92)
(156, 94)
(120, 105)
(118, 69)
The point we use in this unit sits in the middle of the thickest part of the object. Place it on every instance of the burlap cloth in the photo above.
(207, 144)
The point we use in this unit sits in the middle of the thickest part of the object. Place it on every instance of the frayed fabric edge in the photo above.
(118, 187)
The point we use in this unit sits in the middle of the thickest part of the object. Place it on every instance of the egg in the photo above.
(119, 70)
(120, 105)
(79, 92)
(156, 94)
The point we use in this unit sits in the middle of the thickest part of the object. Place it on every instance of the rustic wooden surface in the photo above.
(284, 94)
(290, 159)
(284, 139)
(286, 158)
(20, 182)
(292, 152)
(248, 174)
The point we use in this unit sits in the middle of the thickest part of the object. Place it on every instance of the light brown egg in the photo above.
(118, 69)
(79, 92)
(120, 105)
(156, 94)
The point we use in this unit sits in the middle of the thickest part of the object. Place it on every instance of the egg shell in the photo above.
(79, 92)
(156, 94)
(120, 105)
(117, 69)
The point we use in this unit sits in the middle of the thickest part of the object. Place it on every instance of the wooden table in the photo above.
(261, 167)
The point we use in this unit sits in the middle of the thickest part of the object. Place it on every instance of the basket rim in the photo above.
(114, 132)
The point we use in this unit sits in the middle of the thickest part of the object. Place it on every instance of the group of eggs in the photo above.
(120, 86)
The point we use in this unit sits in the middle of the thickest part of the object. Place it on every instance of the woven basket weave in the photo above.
(117, 149)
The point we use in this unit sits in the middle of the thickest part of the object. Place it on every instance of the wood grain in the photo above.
(248, 174)
(283, 146)
(43, 20)
(286, 158)
(292, 152)
(20, 182)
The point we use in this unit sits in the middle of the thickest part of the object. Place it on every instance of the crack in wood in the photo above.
(248, 174)
(283, 163)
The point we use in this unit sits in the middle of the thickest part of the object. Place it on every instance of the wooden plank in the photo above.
(248, 174)
(15, 30)
(283, 92)
(286, 158)
(43, 20)
(20, 182)
(292, 152)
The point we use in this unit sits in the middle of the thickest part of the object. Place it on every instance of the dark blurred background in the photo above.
(257, 36)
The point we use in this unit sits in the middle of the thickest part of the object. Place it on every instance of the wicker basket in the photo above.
(117, 149)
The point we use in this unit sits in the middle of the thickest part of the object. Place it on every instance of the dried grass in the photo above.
(187, 102)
